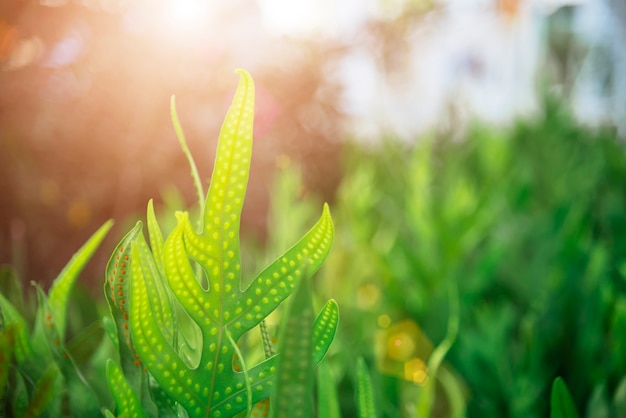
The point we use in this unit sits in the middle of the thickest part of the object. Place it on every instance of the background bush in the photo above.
(526, 226)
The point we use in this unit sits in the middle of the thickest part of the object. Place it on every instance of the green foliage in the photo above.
(365, 392)
(471, 274)
(179, 305)
(327, 400)
(38, 374)
(528, 225)
(126, 400)
(561, 402)
(293, 391)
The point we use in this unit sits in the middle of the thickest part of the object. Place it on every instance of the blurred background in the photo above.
(472, 153)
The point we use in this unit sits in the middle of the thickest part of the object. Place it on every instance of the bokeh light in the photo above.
(402, 350)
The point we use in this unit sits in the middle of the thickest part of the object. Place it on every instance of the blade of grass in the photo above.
(561, 402)
(426, 397)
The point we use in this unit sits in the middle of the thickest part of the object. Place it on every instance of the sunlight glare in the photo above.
(184, 16)
(283, 16)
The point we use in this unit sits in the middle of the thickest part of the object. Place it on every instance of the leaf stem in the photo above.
(244, 368)
(183, 144)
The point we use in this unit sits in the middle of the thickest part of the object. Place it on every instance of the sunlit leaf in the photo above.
(62, 285)
(183, 144)
(126, 400)
(117, 292)
(222, 312)
(156, 237)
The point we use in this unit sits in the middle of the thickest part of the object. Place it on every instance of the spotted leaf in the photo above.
(201, 269)
(156, 237)
(117, 292)
(365, 394)
(126, 400)
(293, 393)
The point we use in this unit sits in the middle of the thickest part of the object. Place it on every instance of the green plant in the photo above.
(527, 225)
(561, 402)
(178, 308)
(38, 375)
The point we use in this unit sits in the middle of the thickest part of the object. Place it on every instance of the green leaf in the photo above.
(183, 143)
(561, 402)
(232, 167)
(324, 330)
(427, 395)
(117, 292)
(157, 291)
(108, 414)
(327, 401)
(156, 237)
(62, 285)
(365, 394)
(19, 399)
(222, 312)
(293, 390)
(44, 393)
(7, 344)
(11, 287)
(12, 318)
(126, 400)
(111, 330)
(82, 399)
